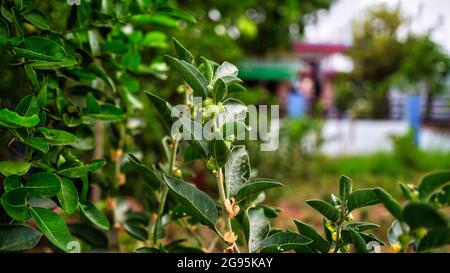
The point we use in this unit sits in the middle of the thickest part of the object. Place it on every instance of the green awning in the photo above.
(269, 70)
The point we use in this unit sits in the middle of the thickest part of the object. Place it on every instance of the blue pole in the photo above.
(413, 115)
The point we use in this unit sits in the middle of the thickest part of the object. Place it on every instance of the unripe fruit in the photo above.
(334, 236)
(212, 165)
(395, 248)
(181, 89)
(207, 102)
(177, 173)
(212, 110)
(421, 232)
(330, 226)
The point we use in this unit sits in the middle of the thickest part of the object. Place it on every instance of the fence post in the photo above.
(414, 115)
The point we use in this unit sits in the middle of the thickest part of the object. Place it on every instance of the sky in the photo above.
(334, 26)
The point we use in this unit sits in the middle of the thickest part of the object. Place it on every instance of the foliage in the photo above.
(384, 60)
(420, 224)
(83, 80)
(83, 74)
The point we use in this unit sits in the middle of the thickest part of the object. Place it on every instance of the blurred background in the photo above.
(363, 86)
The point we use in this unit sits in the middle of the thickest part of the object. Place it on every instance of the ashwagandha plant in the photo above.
(82, 76)
(421, 223)
(238, 212)
(340, 227)
(81, 82)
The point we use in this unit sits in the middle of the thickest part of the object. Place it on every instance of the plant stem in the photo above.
(338, 238)
(165, 190)
(221, 187)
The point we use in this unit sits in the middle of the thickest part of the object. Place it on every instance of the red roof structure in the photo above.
(318, 50)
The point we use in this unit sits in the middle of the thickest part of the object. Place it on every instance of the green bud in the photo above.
(228, 144)
(212, 165)
(207, 102)
(420, 233)
(330, 226)
(212, 110)
(181, 89)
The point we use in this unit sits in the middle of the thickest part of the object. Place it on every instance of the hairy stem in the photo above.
(221, 187)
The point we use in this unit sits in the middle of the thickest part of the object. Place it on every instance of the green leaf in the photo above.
(389, 203)
(8, 168)
(150, 176)
(37, 143)
(37, 19)
(115, 46)
(12, 182)
(92, 106)
(4, 32)
(136, 230)
(318, 242)
(109, 112)
(32, 76)
(270, 211)
(208, 69)
(237, 170)
(43, 185)
(327, 210)
(257, 227)
(255, 186)
(68, 196)
(89, 235)
(79, 170)
(16, 238)
(362, 198)
(220, 151)
(41, 48)
(12, 119)
(28, 106)
(18, 21)
(190, 154)
(362, 226)
(6, 14)
(15, 204)
(132, 60)
(198, 203)
(283, 241)
(163, 109)
(434, 238)
(191, 130)
(101, 73)
(191, 75)
(220, 89)
(94, 215)
(345, 188)
(42, 97)
(50, 65)
(183, 53)
(53, 227)
(57, 137)
(432, 182)
(358, 241)
(417, 215)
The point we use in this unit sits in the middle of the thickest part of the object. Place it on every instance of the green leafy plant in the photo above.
(421, 224)
(83, 79)
(82, 76)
